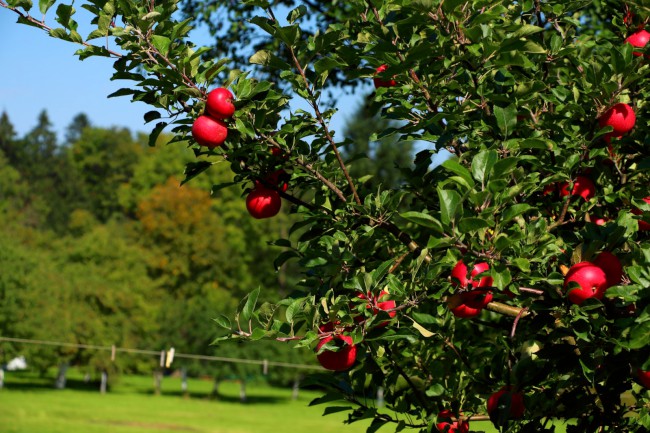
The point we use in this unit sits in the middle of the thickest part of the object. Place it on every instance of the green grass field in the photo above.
(29, 404)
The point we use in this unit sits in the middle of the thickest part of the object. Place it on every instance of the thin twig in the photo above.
(314, 104)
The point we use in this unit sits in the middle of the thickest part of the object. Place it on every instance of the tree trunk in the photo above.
(2, 377)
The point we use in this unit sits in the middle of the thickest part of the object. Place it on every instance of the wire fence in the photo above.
(166, 356)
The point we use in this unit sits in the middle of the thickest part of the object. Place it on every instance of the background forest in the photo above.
(100, 244)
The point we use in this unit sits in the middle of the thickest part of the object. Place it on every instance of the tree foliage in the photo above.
(514, 91)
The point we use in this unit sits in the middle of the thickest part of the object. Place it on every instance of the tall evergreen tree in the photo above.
(381, 157)
(76, 127)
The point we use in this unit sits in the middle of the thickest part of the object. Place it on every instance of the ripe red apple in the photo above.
(591, 279)
(447, 424)
(459, 275)
(517, 407)
(340, 360)
(644, 377)
(582, 186)
(621, 117)
(219, 103)
(639, 40)
(383, 83)
(263, 202)
(209, 132)
(612, 267)
(643, 226)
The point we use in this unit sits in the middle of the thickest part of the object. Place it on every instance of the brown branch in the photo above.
(314, 104)
(48, 29)
(310, 168)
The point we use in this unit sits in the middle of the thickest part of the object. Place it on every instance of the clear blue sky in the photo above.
(40, 72)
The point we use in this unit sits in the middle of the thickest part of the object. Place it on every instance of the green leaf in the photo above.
(25, 4)
(223, 321)
(506, 118)
(471, 224)
(249, 306)
(60, 33)
(482, 165)
(64, 16)
(153, 137)
(327, 64)
(161, 43)
(449, 202)
(514, 210)
(45, 5)
(454, 166)
(151, 116)
(422, 219)
(193, 169)
(297, 13)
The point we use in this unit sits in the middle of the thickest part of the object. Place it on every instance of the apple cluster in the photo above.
(474, 293)
(210, 129)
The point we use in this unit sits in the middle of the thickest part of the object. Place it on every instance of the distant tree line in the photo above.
(99, 243)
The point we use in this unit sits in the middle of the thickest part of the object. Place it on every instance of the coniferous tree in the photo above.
(381, 157)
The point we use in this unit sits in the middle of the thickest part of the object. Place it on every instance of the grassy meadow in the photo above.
(29, 404)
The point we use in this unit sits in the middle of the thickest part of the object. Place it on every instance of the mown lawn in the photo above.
(30, 405)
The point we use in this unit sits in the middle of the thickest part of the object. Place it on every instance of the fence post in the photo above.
(104, 382)
(186, 394)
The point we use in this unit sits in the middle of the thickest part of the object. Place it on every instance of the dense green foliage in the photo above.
(101, 245)
(513, 90)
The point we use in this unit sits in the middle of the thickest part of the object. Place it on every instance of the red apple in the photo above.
(643, 226)
(447, 424)
(459, 275)
(591, 279)
(263, 202)
(639, 40)
(644, 377)
(340, 360)
(219, 103)
(380, 82)
(621, 117)
(209, 132)
(582, 186)
(612, 267)
(517, 407)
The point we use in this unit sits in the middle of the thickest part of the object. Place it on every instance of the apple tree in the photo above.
(509, 282)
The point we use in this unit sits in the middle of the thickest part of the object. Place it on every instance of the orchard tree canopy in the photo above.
(513, 279)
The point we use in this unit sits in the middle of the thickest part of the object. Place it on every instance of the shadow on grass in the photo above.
(47, 384)
(250, 399)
